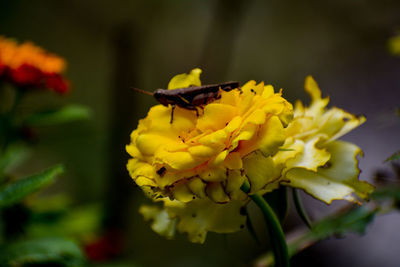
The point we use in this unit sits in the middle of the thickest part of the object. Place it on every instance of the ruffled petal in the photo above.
(162, 223)
(338, 179)
(216, 116)
(185, 80)
(200, 216)
(260, 171)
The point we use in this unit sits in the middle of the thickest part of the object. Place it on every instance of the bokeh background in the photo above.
(111, 46)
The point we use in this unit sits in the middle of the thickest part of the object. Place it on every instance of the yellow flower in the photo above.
(313, 159)
(202, 161)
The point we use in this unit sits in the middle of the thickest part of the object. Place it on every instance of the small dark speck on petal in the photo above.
(243, 211)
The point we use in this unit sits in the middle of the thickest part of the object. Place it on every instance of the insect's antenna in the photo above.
(142, 91)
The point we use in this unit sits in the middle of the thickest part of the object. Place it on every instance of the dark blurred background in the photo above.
(113, 45)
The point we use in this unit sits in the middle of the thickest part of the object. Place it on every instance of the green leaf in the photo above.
(63, 115)
(15, 192)
(278, 201)
(392, 192)
(354, 220)
(12, 156)
(393, 157)
(41, 251)
(75, 222)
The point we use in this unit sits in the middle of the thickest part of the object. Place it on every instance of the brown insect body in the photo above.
(191, 97)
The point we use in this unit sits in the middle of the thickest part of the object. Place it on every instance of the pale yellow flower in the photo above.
(313, 159)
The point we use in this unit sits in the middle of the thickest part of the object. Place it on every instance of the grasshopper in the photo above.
(190, 98)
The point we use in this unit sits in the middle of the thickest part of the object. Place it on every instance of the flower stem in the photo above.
(277, 237)
(300, 208)
(9, 120)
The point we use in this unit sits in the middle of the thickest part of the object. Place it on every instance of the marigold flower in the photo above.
(202, 161)
(29, 66)
(313, 160)
(209, 156)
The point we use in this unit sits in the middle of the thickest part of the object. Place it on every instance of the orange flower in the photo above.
(29, 66)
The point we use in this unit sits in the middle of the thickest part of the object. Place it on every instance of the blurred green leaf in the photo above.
(56, 251)
(65, 114)
(12, 156)
(393, 157)
(78, 222)
(392, 192)
(356, 220)
(278, 201)
(15, 192)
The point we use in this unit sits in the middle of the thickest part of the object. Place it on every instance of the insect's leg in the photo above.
(172, 114)
(193, 108)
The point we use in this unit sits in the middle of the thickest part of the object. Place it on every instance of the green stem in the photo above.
(9, 119)
(277, 237)
(300, 208)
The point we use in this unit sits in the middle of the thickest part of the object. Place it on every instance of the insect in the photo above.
(190, 98)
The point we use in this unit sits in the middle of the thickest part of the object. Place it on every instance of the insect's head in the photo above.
(159, 95)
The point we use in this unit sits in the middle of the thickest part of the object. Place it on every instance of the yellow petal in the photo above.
(230, 98)
(216, 192)
(340, 123)
(177, 160)
(159, 118)
(148, 143)
(246, 133)
(182, 193)
(234, 161)
(198, 187)
(216, 116)
(337, 180)
(133, 151)
(268, 91)
(234, 182)
(185, 80)
(198, 217)
(214, 138)
(202, 151)
(312, 88)
(259, 170)
(234, 124)
(213, 174)
(256, 117)
(269, 137)
(162, 223)
(219, 159)
(311, 157)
